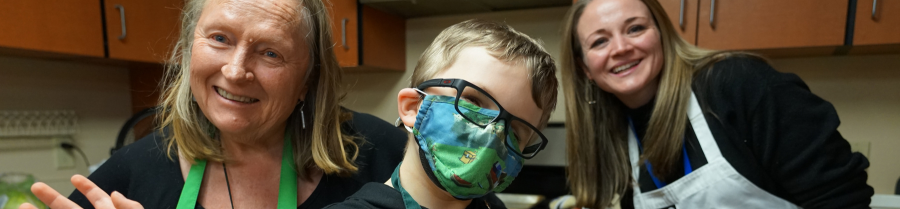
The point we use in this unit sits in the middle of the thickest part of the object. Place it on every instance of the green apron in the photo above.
(287, 188)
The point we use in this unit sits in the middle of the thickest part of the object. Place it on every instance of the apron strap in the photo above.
(716, 183)
(191, 190)
(287, 186)
(701, 130)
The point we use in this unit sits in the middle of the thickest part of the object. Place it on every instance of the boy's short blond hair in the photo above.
(502, 42)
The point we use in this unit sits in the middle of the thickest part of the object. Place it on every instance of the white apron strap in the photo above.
(633, 153)
(689, 184)
(716, 184)
(701, 129)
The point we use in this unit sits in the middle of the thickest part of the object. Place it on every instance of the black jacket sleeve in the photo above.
(372, 195)
(377, 195)
(795, 139)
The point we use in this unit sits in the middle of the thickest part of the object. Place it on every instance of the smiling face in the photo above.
(508, 83)
(622, 49)
(248, 64)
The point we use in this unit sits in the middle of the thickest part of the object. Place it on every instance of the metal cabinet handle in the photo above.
(122, 17)
(681, 16)
(712, 12)
(874, 5)
(344, 33)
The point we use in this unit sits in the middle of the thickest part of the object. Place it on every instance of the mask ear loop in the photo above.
(421, 92)
(397, 123)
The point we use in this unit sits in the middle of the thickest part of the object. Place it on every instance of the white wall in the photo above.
(865, 90)
(99, 95)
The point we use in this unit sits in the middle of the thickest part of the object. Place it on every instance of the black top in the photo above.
(378, 195)
(775, 132)
(142, 172)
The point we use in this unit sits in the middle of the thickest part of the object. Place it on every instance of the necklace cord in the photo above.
(228, 184)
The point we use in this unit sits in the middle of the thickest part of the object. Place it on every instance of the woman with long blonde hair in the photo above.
(250, 118)
(659, 122)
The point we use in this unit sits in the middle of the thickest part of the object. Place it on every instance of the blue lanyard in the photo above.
(656, 181)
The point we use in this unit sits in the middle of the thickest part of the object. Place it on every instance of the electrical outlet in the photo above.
(65, 159)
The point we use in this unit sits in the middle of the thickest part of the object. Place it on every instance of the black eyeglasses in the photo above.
(476, 100)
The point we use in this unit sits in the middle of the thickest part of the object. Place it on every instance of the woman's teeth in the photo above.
(230, 96)
(625, 67)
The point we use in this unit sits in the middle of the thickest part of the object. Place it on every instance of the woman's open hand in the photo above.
(97, 196)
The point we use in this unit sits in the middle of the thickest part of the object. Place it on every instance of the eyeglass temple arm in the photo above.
(532, 148)
(436, 82)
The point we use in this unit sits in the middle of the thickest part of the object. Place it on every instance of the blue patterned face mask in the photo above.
(466, 160)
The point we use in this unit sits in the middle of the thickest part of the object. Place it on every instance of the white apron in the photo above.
(714, 185)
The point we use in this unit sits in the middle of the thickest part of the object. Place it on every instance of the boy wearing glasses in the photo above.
(477, 99)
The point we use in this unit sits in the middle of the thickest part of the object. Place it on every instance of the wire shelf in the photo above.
(38, 123)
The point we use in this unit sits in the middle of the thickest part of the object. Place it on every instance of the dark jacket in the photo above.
(775, 132)
(142, 172)
(379, 196)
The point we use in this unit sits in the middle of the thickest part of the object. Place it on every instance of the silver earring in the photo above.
(587, 93)
(302, 115)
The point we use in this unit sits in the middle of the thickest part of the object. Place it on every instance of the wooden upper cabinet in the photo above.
(770, 24)
(367, 39)
(384, 40)
(879, 27)
(150, 28)
(683, 15)
(68, 27)
(344, 25)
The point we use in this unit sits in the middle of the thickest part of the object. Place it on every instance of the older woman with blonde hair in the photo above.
(662, 123)
(250, 118)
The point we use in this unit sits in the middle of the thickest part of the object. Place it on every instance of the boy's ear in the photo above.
(408, 101)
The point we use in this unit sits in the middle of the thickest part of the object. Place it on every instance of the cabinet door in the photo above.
(70, 27)
(882, 27)
(151, 28)
(683, 14)
(769, 24)
(384, 40)
(344, 31)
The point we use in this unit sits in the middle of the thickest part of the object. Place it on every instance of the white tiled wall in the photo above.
(99, 95)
